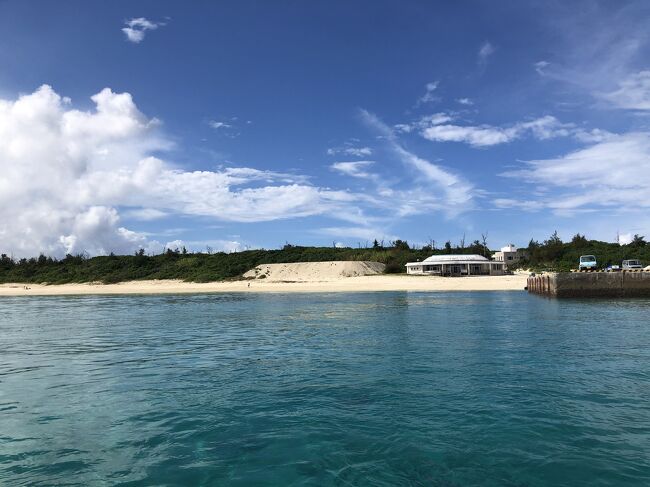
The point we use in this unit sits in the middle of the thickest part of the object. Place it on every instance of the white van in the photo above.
(632, 264)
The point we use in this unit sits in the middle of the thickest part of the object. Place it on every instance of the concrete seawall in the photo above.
(591, 284)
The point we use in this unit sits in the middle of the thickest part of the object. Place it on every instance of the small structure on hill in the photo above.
(456, 265)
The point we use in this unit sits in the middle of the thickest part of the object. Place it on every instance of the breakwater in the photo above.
(591, 284)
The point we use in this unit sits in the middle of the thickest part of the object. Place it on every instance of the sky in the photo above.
(251, 124)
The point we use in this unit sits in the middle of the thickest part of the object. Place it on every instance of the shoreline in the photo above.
(376, 283)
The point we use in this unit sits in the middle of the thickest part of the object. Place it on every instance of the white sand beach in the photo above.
(394, 282)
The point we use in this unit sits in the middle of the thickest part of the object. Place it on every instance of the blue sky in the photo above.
(251, 124)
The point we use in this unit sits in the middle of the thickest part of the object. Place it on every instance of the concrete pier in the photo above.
(591, 284)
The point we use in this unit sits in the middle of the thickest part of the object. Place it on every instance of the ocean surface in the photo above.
(380, 389)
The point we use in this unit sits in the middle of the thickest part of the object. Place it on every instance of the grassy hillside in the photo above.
(552, 254)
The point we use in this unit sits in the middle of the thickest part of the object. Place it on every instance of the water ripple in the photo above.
(325, 389)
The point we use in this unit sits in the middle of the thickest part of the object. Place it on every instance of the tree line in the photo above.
(550, 254)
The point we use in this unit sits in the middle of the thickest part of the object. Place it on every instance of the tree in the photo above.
(448, 247)
(401, 244)
(553, 239)
(486, 250)
(579, 240)
(375, 244)
(638, 241)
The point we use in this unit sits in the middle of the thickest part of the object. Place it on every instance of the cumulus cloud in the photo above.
(68, 173)
(136, 28)
(613, 173)
(70, 177)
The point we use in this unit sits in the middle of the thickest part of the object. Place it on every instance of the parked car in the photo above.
(587, 262)
(632, 264)
(613, 268)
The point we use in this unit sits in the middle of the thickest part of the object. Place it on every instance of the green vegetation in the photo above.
(202, 267)
(552, 254)
(555, 255)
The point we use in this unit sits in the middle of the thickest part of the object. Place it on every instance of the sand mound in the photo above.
(315, 271)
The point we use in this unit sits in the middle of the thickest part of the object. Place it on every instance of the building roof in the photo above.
(452, 259)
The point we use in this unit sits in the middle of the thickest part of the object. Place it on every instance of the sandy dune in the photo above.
(399, 282)
(315, 271)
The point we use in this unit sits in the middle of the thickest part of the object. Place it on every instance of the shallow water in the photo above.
(444, 389)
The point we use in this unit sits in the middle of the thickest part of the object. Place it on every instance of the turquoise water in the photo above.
(454, 389)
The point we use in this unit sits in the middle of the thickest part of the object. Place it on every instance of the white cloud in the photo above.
(145, 214)
(66, 174)
(69, 176)
(449, 191)
(228, 246)
(485, 51)
(428, 96)
(600, 51)
(613, 173)
(540, 66)
(350, 151)
(541, 128)
(137, 27)
(475, 136)
(355, 169)
(633, 92)
(219, 125)
(465, 101)
(364, 233)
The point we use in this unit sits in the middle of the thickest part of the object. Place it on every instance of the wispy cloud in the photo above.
(226, 127)
(454, 193)
(633, 92)
(428, 96)
(348, 150)
(605, 59)
(485, 52)
(540, 66)
(136, 28)
(219, 125)
(465, 101)
(357, 169)
(364, 233)
(614, 173)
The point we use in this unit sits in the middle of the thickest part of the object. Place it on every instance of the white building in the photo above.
(509, 255)
(456, 265)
